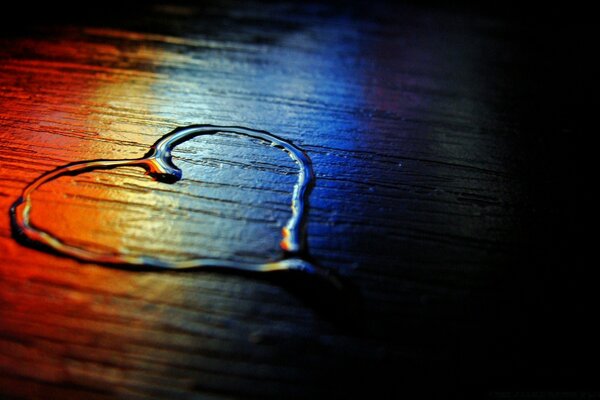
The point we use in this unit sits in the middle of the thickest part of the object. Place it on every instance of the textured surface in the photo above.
(434, 138)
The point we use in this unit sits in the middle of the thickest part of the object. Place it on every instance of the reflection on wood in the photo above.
(428, 198)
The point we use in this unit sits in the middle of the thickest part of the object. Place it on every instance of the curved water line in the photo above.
(158, 164)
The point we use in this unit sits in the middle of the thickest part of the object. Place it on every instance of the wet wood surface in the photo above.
(434, 138)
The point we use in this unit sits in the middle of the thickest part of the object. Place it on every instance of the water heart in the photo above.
(158, 164)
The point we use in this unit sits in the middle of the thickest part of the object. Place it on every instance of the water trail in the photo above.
(158, 164)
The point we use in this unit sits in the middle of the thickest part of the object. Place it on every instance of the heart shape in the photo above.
(158, 164)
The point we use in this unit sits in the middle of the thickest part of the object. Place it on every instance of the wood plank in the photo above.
(432, 136)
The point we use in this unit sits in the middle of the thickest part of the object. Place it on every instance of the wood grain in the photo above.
(432, 142)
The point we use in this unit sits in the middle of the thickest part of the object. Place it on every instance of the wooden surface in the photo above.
(444, 194)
